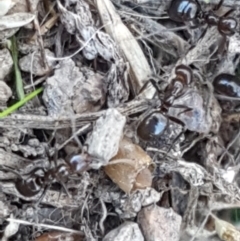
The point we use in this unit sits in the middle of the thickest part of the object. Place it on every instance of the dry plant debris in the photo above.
(55, 236)
(74, 162)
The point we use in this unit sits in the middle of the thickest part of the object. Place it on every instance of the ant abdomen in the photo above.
(227, 84)
(227, 26)
(29, 187)
(152, 126)
(184, 74)
(183, 10)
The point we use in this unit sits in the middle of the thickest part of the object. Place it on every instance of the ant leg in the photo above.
(175, 140)
(146, 86)
(180, 106)
(55, 157)
(203, 33)
(85, 149)
(9, 169)
(223, 46)
(186, 108)
(53, 134)
(49, 155)
(73, 122)
(199, 5)
(52, 137)
(65, 189)
(30, 173)
(229, 12)
(194, 26)
(153, 82)
(143, 87)
(218, 6)
(179, 135)
(42, 196)
(184, 111)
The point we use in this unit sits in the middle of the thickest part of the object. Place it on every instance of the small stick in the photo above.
(44, 226)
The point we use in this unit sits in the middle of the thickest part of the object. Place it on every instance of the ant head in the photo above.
(63, 170)
(227, 26)
(183, 10)
(184, 74)
(79, 163)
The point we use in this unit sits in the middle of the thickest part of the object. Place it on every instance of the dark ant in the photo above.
(190, 10)
(155, 123)
(40, 179)
(227, 84)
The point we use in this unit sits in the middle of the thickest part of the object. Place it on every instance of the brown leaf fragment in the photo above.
(143, 179)
(130, 167)
(58, 236)
(122, 174)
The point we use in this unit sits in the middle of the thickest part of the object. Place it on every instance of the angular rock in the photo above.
(159, 224)
(128, 231)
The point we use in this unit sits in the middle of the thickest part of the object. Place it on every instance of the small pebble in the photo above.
(128, 231)
(159, 224)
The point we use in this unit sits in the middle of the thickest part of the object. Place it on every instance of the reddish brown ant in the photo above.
(190, 10)
(155, 123)
(39, 179)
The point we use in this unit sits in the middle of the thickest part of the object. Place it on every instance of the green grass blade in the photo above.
(18, 76)
(20, 103)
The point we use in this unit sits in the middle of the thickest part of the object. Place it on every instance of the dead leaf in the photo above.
(130, 167)
(58, 236)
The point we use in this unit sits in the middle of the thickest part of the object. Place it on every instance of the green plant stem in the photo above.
(18, 77)
(20, 103)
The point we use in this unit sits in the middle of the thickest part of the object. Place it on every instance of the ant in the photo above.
(39, 179)
(155, 123)
(227, 84)
(190, 10)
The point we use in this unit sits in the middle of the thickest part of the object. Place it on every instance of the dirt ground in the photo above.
(119, 120)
